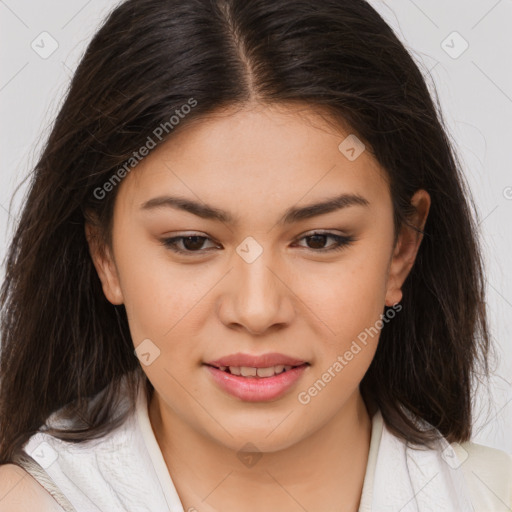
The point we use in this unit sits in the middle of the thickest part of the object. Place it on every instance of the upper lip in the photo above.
(261, 361)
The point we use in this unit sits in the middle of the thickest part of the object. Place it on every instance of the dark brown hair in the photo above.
(62, 342)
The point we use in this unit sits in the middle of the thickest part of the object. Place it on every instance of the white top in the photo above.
(125, 471)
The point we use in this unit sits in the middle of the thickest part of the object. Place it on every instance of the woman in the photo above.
(246, 276)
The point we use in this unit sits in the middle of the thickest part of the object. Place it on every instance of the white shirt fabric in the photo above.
(125, 471)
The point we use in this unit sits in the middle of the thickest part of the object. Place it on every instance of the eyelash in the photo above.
(342, 242)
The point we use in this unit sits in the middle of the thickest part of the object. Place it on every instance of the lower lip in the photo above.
(257, 389)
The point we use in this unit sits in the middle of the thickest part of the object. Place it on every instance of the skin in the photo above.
(255, 162)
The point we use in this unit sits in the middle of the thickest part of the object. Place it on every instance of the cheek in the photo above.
(158, 295)
(157, 306)
(163, 307)
(352, 304)
(345, 297)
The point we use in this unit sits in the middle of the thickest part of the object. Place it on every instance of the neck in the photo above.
(324, 471)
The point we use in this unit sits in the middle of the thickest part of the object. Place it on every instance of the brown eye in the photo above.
(317, 242)
(190, 243)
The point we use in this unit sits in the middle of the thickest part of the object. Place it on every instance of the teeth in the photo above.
(265, 372)
(247, 371)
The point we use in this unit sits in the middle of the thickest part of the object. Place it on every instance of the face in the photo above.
(225, 267)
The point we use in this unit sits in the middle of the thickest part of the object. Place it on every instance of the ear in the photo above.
(406, 248)
(104, 264)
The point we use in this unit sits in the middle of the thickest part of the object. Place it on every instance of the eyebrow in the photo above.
(293, 214)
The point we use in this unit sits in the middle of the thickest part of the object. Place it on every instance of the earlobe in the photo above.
(104, 265)
(406, 248)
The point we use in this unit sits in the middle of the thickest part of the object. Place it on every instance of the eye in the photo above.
(318, 239)
(191, 244)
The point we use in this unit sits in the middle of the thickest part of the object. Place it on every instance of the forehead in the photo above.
(257, 156)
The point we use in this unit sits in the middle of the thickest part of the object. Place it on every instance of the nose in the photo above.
(257, 296)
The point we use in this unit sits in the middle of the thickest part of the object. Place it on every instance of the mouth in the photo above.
(256, 378)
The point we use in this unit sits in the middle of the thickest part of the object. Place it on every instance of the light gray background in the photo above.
(475, 91)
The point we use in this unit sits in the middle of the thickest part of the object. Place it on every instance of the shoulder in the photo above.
(488, 475)
(19, 492)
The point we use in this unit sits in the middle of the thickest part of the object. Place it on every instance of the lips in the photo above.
(255, 389)
(256, 378)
